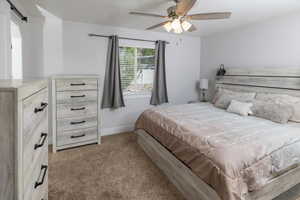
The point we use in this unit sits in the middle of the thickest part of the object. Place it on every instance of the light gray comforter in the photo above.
(233, 154)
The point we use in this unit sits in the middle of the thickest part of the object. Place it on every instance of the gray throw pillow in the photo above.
(275, 112)
(225, 99)
(283, 99)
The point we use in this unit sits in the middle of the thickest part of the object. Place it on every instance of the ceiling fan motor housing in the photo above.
(172, 12)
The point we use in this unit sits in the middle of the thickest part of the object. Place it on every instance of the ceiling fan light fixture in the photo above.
(176, 24)
(168, 26)
(186, 25)
(178, 30)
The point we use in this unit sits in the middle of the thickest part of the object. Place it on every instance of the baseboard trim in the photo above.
(117, 130)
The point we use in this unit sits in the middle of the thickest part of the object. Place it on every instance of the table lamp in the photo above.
(203, 88)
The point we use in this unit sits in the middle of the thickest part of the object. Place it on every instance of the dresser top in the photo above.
(20, 83)
(23, 88)
(76, 76)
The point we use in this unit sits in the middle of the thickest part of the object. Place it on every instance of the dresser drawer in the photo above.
(77, 136)
(34, 112)
(77, 109)
(35, 188)
(71, 97)
(76, 84)
(34, 149)
(75, 123)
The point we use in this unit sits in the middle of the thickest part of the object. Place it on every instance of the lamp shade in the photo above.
(204, 84)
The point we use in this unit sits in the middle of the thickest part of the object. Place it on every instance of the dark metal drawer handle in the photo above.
(77, 136)
(76, 109)
(44, 168)
(43, 139)
(42, 108)
(80, 96)
(77, 84)
(74, 123)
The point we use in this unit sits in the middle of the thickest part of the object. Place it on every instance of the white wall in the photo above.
(52, 43)
(85, 55)
(33, 47)
(5, 44)
(273, 43)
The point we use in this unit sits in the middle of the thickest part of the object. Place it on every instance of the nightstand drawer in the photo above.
(77, 109)
(75, 123)
(76, 84)
(77, 136)
(71, 97)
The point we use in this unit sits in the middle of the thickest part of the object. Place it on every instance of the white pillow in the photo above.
(240, 108)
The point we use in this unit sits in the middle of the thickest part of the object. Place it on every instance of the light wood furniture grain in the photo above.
(272, 80)
(23, 140)
(75, 110)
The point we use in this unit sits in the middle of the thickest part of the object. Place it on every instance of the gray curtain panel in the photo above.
(112, 94)
(159, 91)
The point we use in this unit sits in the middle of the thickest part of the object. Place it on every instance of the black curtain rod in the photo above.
(124, 38)
(17, 12)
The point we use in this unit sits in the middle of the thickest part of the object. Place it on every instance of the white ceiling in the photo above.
(115, 12)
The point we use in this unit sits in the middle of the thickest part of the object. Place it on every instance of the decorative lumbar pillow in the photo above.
(224, 100)
(283, 99)
(280, 113)
(240, 108)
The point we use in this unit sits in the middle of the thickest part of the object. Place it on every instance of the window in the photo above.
(137, 70)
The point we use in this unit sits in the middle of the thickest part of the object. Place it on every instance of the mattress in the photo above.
(235, 155)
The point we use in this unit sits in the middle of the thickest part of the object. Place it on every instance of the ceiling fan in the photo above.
(178, 18)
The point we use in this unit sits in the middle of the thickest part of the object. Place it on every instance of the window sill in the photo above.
(137, 96)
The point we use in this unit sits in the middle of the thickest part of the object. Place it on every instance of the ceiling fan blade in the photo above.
(184, 6)
(210, 16)
(157, 25)
(193, 28)
(147, 14)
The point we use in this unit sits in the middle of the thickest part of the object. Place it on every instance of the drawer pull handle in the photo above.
(77, 136)
(44, 168)
(76, 109)
(74, 123)
(79, 96)
(43, 139)
(77, 84)
(42, 108)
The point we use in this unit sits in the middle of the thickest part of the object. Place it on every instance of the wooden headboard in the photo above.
(271, 80)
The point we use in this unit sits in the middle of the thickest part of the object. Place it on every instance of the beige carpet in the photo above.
(117, 169)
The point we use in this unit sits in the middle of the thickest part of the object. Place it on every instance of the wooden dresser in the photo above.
(75, 111)
(23, 140)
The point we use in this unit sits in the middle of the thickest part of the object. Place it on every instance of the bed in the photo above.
(211, 154)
